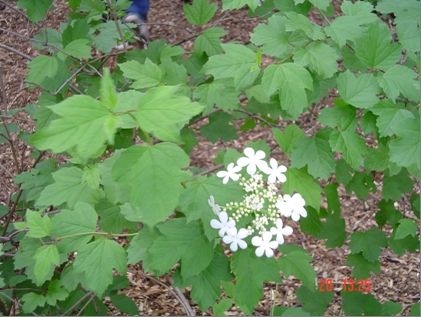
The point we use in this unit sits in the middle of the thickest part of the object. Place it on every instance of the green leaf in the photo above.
(55, 293)
(238, 4)
(415, 309)
(404, 10)
(343, 117)
(334, 231)
(320, 162)
(209, 41)
(351, 145)
(140, 244)
(289, 311)
(315, 301)
(298, 22)
(200, 12)
(219, 128)
(223, 305)
(288, 137)
(183, 242)
(35, 9)
(375, 48)
(353, 302)
(79, 48)
(145, 75)
(112, 219)
(332, 197)
(206, 286)
(152, 172)
(415, 204)
(397, 185)
(361, 184)
(108, 94)
(92, 176)
(399, 246)
(311, 224)
(251, 271)
(387, 213)
(274, 38)
(320, 4)
(291, 80)
(405, 150)
(83, 126)
(42, 67)
(408, 32)
(358, 90)
(125, 304)
(70, 225)
(238, 62)
(377, 159)
(299, 180)
(400, 80)
(219, 93)
(173, 73)
(68, 188)
(361, 10)
(369, 243)
(194, 199)
(45, 257)
(38, 226)
(343, 29)
(31, 301)
(97, 259)
(362, 267)
(160, 109)
(321, 58)
(297, 263)
(390, 117)
(406, 227)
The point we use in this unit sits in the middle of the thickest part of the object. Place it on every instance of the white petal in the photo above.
(234, 246)
(273, 244)
(260, 155)
(243, 161)
(249, 152)
(242, 244)
(267, 236)
(287, 231)
(273, 164)
(242, 233)
(215, 224)
(259, 251)
(282, 178)
(223, 216)
(295, 216)
(269, 253)
(256, 241)
(251, 169)
(221, 174)
(228, 239)
(235, 177)
(282, 168)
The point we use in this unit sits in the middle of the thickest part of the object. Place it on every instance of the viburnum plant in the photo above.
(260, 210)
(126, 191)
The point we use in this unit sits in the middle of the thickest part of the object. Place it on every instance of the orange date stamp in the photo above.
(348, 285)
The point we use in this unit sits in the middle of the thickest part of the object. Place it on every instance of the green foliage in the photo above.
(128, 135)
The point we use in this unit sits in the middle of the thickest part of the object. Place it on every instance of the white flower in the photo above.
(215, 207)
(224, 225)
(292, 206)
(236, 239)
(264, 244)
(275, 172)
(280, 232)
(252, 160)
(230, 173)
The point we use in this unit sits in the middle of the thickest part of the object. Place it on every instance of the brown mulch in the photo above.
(399, 278)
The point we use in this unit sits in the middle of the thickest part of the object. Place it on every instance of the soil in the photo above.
(398, 279)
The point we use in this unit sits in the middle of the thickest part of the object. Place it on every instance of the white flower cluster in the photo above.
(261, 202)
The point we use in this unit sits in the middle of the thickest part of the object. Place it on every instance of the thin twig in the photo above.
(15, 301)
(77, 304)
(87, 303)
(173, 290)
(15, 51)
